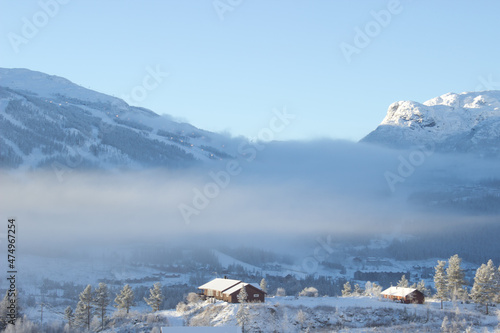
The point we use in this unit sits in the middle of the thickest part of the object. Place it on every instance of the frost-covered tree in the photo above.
(22, 325)
(403, 283)
(125, 299)
(483, 291)
(263, 285)
(357, 290)
(440, 282)
(347, 291)
(497, 300)
(422, 288)
(280, 292)
(3, 311)
(155, 297)
(69, 316)
(455, 277)
(242, 295)
(242, 316)
(368, 288)
(445, 324)
(301, 318)
(84, 310)
(376, 289)
(101, 302)
(6, 302)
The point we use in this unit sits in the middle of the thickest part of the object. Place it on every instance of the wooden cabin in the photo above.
(254, 294)
(404, 295)
(227, 290)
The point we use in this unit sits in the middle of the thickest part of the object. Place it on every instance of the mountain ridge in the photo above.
(47, 120)
(461, 123)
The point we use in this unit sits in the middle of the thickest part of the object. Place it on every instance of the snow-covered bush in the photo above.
(22, 326)
(193, 298)
(181, 307)
(309, 292)
(301, 318)
(280, 292)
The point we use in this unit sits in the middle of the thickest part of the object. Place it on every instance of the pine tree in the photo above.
(440, 282)
(84, 311)
(445, 324)
(301, 318)
(455, 276)
(357, 290)
(483, 291)
(125, 299)
(422, 288)
(68, 314)
(242, 316)
(80, 315)
(242, 295)
(376, 289)
(497, 299)
(403, 283)
(368, 289)
(347, 291)
(155, 297)
(101, 302)
(13, 299)
(3, 311)
(263, 285)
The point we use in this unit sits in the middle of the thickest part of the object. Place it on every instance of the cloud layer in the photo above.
(282, 191)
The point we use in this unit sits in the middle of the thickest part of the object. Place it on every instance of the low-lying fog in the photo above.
(276, 194)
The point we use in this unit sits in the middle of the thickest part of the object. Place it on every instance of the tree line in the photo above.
(450, 283)
(94, 303)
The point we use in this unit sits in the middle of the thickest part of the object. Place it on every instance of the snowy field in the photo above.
(332, 314)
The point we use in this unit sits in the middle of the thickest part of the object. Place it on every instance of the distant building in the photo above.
(227, 290)
(404, 295)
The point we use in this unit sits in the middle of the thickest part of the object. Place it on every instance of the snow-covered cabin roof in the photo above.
(235, 288)
(239, 286)
(220, 284)
(398, 291)
(256, 285)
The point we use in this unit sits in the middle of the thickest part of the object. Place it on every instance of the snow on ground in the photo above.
(284, 270)
(348, 314)
(226, 261)
(34, 269)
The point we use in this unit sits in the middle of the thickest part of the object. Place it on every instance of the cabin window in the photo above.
(255, 295)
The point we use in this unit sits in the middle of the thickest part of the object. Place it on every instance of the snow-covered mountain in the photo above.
(466, 123)
(48, 121)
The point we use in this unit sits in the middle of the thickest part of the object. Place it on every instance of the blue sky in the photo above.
(228, 70)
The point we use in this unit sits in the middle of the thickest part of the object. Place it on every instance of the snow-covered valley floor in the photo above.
(333, 314)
